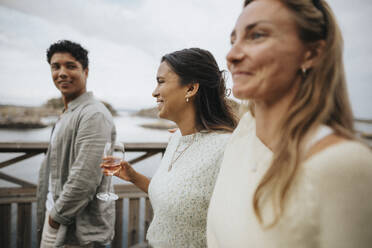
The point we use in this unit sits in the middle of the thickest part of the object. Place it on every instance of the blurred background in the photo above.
(126, 39)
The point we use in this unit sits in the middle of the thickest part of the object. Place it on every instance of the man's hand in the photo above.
(54, 224)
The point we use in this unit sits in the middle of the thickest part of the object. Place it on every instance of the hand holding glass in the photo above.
(113, 154)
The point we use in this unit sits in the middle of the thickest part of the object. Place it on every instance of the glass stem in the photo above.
(108, 184)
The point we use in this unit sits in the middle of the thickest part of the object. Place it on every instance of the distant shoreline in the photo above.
(21, 117)
(363, 120)
(26, 117)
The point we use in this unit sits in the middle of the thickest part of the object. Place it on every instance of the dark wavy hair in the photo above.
(195, 65)
(66, 46)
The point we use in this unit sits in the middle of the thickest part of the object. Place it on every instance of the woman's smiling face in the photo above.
(266, 53)
(169, 93)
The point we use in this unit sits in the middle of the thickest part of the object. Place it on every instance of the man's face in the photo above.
(68, 75)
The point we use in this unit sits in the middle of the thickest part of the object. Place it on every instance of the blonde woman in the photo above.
(293, 174)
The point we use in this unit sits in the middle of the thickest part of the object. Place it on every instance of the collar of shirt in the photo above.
(78, 101)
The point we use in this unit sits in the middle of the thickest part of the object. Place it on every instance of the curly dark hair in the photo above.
(198, 65)
(66, 46)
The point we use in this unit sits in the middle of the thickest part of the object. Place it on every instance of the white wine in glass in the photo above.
(113, 154)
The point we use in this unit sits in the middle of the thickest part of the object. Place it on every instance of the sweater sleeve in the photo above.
(85, 173)
(345, 190)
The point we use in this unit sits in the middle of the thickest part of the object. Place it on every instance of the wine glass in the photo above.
(113, 154)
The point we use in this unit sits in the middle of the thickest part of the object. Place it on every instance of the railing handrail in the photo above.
(43, 146)
(31, 149)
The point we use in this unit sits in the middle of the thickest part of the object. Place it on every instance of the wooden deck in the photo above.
(133, 209)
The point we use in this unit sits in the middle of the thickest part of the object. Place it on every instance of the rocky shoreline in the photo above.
(160, 124)
(153, 112)
(21, 123)
(164, 124)
(23, 117)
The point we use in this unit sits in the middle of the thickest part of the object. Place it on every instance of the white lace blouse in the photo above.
(180, 196)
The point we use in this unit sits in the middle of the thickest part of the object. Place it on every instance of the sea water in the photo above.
(128, 129)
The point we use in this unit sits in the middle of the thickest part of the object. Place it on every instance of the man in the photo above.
(68, 212)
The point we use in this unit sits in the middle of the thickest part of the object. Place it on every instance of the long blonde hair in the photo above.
(321, 99)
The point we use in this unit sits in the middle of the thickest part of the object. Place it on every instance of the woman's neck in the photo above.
(268, 116)
(187, 124)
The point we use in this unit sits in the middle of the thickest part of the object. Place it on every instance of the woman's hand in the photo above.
(125, 172)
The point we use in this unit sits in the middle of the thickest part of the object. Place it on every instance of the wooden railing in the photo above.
(24, 199)
(133, 209)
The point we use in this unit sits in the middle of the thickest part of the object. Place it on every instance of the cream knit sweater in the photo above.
(329, 204)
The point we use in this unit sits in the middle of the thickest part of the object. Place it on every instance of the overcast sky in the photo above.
(126, 39)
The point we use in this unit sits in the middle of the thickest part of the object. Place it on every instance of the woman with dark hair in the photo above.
(293, 174)
(191, 92)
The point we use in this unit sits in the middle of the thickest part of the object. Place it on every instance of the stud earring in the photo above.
(303, 71)
(187, 99)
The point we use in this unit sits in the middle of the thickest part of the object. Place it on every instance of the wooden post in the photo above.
(38, 234)
(133, 223)
(148, 215)
(24, 225)
(118, 238)
(5, 214)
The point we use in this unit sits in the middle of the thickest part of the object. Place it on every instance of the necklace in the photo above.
(180, 154)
